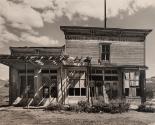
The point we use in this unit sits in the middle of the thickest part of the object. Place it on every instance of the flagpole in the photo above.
(105, 14)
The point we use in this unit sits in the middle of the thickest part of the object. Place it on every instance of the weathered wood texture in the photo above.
(13, 85)
(19, 51)
(121, 52)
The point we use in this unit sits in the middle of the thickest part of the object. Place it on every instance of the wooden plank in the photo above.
(123, 53)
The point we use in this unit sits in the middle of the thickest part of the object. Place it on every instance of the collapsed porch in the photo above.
(43, 79)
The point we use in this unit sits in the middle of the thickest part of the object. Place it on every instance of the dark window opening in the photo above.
(27, 88)
(48, 71)
(96, 78)
(83, 91)
(71, 91)
(77, 91)
(111, 71)
(126, 91)
(138, 92)
(111, 78)
(54, 92)
(98, 71)
(46, 92)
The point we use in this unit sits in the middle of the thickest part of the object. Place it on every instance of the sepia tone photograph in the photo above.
(77, 62)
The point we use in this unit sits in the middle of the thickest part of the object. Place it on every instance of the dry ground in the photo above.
(20, 116)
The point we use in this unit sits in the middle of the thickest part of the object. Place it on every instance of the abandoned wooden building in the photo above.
(94, 62)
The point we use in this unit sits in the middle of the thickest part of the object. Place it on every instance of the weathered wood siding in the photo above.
(83, 48)
(121, 52)
(127, 53)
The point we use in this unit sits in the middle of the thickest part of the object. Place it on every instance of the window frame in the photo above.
(79, 79)
(105, 52)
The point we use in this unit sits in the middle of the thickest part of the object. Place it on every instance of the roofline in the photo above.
(64, 28)
(27, 47)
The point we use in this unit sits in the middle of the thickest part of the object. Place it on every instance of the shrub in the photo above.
(74, 108)
(54, 107)
(98, 106)
(83, 106)
(149, 93)
(115, 106)
(146, 108)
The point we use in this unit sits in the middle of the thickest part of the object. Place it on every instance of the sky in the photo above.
(37, 22)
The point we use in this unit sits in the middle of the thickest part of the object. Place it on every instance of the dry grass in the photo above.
(19, 116)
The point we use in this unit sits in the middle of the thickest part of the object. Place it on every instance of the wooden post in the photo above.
(26, 80)
(88, 83)
(61, 84)
(142, 82)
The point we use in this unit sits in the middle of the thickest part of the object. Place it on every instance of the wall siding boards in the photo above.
(121, 52)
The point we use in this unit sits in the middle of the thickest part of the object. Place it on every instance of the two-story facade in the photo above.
(94, 62)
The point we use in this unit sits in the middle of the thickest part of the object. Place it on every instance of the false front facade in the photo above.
(93, 63)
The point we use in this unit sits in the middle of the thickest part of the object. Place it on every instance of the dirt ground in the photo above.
(20, 116)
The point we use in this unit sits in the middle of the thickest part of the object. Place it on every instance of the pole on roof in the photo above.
(105, 14)
(61, 84)
(26, 79)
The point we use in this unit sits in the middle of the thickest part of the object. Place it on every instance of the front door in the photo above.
(50, 85)
(27, 86)
(112, 89)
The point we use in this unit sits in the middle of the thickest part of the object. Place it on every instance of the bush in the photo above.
(53, 107)
(98, 106)
(149, 93)
(84, 106)
(146, 108)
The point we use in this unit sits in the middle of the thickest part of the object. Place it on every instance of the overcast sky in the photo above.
(37, 22)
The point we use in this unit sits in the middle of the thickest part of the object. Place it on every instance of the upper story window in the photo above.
(105, 52)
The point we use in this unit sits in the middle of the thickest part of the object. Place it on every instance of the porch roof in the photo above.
(40, 60)
(65, 60)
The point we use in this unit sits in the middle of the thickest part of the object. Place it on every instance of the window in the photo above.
(111, 78)
(83, 91)
(54, 92)
(105, 52)
(77, 92)
(27, 85)
(46, 92)
(131, 82)
(71, 91)
(77, 83)
(111, 71)
(48, 71)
